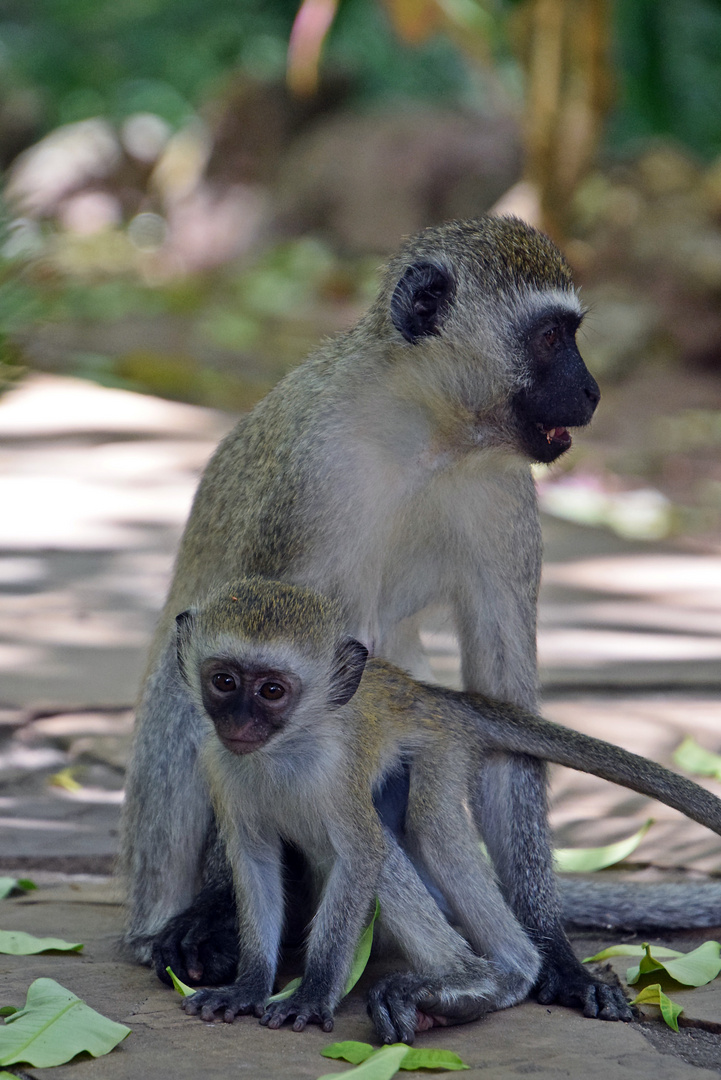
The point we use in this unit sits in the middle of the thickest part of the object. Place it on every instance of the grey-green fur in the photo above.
(387, 472)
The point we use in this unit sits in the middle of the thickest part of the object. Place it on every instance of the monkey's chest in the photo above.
(397, 545)
(308, 834)
(297, 808)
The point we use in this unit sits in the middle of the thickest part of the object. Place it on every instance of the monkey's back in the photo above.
(411, 717)
(253, 512)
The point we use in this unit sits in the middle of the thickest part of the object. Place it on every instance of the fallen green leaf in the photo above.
(65, 779)
(416, 1058)
(8, 1076)
(349, 1050)
(287, 990)
(586, 860)
(654, 995)
(646, 964)
(422, 1058)
(362, 952)
(360, 960)
(695, 759)
(696, 968)
(181, 987)
(18, 943)
(660, 952)
(379, 1065)
(8, 884)
(54, 1026)
(8, 1010)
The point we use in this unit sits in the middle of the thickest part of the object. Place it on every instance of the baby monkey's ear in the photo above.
(348, 664)
(184, 623)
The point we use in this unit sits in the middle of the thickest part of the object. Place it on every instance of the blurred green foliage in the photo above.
(115, 57)
(66, 60)
(241, 326)
(668, 56)
(83, 58)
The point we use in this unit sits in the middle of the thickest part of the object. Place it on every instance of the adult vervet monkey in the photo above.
(391, 471)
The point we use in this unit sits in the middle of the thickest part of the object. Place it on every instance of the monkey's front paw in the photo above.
(573, 986)
(231, 1001)
(305, 1010)
(402, 1004)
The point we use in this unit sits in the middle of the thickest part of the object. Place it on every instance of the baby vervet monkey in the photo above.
(302, 730)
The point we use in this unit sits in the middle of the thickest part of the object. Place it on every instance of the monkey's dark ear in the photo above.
(184, 623)
(350, 660)
(421, 299)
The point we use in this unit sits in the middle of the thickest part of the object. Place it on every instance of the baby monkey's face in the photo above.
(248, 705)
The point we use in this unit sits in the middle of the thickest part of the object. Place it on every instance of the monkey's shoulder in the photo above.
(289, 409)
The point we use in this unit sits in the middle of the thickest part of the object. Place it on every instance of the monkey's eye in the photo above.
(272, 691)
(551, 336)
(224, 682)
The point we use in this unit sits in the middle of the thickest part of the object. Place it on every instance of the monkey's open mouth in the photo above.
(542, 441)
(559, 435)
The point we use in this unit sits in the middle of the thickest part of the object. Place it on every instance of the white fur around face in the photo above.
(286, 789)
(531, 303)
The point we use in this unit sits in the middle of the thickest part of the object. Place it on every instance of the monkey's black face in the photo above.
(562, 392)
(247, 706)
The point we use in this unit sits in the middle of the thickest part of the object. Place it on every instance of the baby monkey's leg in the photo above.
(449, 983)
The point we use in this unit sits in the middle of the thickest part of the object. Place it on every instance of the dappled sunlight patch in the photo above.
(49, 405)
(94, 795)
(15, 656)
(639, 514)
(20, 570)
(59, 619)
(30, 758)
(667, 576)
(45, 825)
(41, 511)
(635, 615)
(594, 648)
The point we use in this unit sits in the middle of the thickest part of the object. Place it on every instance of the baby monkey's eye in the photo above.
(272, 691)
(551, 335)
(225, 682)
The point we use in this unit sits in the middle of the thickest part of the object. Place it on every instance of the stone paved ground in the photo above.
(94, 487)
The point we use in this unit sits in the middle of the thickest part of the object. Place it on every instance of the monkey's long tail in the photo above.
(505, 728)
(639, 905)
(614, 904)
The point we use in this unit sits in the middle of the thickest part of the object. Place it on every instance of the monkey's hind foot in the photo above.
(306, 1010)
(403, 1003)
(573, 986)
(240, 999)
(198, 946)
